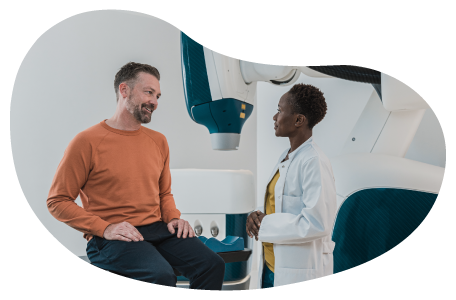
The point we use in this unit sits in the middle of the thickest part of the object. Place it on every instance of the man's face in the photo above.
(143, 98)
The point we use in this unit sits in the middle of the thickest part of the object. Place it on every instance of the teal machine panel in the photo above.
(218, 115)
(395, 240)
(235, 226)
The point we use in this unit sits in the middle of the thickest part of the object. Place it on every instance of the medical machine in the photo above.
(382, 196)
(220, 91)
(216, 204)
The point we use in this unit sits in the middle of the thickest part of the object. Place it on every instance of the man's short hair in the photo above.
(307, 100)
(129, 74)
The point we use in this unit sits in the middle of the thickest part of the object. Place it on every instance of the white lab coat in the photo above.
(305, 210)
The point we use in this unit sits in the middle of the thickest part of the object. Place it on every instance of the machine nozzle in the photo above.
(225, 141)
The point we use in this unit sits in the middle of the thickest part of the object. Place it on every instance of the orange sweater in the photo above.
(119, 175)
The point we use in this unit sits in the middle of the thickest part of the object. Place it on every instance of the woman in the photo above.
(300, 202)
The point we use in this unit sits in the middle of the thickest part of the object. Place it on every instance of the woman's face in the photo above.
(285, 119)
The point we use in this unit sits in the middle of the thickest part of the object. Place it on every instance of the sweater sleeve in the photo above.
(167, 205)
(72, 174)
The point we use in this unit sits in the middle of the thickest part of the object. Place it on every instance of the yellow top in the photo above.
(270, 209)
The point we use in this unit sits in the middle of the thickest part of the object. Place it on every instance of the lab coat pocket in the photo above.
(328, 259)
(328, 247)
(292, 205)
(284, 276)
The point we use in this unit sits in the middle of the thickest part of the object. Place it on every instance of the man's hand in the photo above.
(122, 232)
(183, 228)
(253, 223)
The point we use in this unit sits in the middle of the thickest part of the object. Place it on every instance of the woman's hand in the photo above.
(253, 223)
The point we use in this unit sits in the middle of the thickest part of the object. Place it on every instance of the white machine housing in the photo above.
(232, 78)
(205, 197)
(225, 79)
(412, 93)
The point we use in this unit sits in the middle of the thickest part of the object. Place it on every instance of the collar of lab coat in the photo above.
(290, 157)
(297, 150)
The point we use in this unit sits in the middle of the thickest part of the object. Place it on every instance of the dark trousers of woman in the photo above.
(267, 280)
(153, 259)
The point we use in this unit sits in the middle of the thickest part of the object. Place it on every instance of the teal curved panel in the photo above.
(228, 244)
(235, 226)
(202, 115)
(373, 221)
(395, 239)
(227, 115)
(194, 74)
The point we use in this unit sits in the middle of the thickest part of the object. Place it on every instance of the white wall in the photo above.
(428, 146)
(65, 85)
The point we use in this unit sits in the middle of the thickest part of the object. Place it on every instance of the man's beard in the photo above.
(137, 112)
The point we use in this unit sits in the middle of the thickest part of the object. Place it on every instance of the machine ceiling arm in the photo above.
(350, 73)
(353, 73)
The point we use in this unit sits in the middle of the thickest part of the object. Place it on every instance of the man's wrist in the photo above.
(103, 236)
(98, 227)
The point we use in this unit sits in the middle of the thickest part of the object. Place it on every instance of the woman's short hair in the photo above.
(307, 100)
(129, 73)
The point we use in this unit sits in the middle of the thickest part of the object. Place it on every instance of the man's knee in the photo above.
(215, 264)
(163, 277)
(167, 278)
(162, 280)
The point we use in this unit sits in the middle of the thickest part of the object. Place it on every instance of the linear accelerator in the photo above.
(382, 196)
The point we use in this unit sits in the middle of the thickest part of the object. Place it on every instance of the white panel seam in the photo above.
(380, 132)
(217, 75)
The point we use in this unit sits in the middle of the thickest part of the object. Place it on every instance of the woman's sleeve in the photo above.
(314, 220)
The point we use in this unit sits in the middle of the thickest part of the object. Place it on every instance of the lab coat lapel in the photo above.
(278, 191)
(284, 154)
(270, 178)
(283, 169)
(280, 185)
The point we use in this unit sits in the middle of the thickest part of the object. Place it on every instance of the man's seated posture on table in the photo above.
(121, 171)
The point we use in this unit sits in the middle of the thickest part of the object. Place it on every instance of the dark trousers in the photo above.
(268, 278)
(153, 259)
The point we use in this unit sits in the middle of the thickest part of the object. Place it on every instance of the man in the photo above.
(121, 171)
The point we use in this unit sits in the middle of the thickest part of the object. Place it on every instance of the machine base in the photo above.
(242, 284)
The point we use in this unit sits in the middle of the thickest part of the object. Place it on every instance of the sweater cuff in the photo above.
(175, 214)
(99, 226)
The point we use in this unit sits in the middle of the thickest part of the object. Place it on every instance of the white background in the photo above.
(51, 104)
